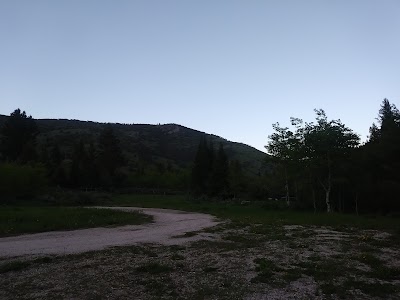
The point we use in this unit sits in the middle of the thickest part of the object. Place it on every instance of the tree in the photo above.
(18, 137)
(110, 156)
(236, 178)
(382, 160)
(310, 152)
(201, 167)
(327, 143)
(286, 147)
(220, 172)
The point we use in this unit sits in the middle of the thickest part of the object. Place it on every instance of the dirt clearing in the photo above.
(231, 260)
(166, 226)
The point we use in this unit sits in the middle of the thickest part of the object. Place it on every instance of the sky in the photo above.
(226, 67)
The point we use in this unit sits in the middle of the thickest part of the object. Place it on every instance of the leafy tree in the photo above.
(311, 152)
(326, 144)
(286, 147)
(18, 137)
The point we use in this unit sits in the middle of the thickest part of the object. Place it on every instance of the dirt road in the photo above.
(167, 225)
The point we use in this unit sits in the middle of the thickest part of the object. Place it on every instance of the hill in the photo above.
(166, 145)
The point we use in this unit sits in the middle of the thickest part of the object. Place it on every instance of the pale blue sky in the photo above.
(231, 68)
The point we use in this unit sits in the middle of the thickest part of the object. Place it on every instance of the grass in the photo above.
(18, 220)
(14, 266)
(154, 268)
(285, 254)
(266, 269)
(256, 214)
(18, 265)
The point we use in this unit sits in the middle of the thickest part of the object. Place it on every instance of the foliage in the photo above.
(18, 137)
(25, 219)
(21, 181)
(257, 213)
(311, 152)
(381, 161)
(210, 171)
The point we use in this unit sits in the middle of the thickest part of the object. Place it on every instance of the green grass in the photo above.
(266, 269)
(14, 266)
(255, 213)
(17, 220)
(19, 265)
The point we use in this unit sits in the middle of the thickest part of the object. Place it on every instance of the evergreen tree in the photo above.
(78, 174)
(382, 160)
(110, 156)
(201, 167)
(219, 176)
(236, 178)
(18, 137)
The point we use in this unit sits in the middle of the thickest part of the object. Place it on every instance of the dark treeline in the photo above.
(322, 166)
(25, 170)
(318, 166)
(213, 175)
(31, 161)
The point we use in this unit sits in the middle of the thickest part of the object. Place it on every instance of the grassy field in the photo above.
(25, 219)
(257, 213)
(256, 254)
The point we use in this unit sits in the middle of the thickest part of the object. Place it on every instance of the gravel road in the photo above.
(167, 226)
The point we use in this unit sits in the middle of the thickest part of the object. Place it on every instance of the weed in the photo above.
(324, 270)
(266, 269)
(16, 220)
(215, 246)
(14, 266)
(154, 268)
(244, 241)
(185, 235)
(376, 289)
(177, 256)
(210, 269)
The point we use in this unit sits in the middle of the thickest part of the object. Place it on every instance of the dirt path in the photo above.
(167, 225)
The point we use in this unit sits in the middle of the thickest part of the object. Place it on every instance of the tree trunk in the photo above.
(327, 200)
(328, 190)
(357, 203)
(314, 200)
(287, 189)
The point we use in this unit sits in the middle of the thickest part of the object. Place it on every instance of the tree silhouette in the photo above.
(110, 156)
(18, 137)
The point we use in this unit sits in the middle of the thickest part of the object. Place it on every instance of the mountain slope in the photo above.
(168, 143)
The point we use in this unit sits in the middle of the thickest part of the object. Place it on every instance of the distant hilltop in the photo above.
(171, 144)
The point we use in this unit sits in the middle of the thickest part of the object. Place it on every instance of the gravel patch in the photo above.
(167, 224)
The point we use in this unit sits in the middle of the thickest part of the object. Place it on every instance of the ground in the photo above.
(232, 260)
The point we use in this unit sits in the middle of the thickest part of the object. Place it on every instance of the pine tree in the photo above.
(383, 160)
(18, 141)
(219, 177)
(110, 156)
(201, 167)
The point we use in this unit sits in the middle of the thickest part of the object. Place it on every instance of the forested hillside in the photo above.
(90, 155)
(319, 165)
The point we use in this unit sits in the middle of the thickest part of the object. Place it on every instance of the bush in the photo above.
(21, 181)
(74, 197)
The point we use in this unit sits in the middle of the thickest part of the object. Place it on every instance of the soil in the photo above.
(166, 226)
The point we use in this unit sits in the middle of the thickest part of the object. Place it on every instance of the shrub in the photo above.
(21, 181)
